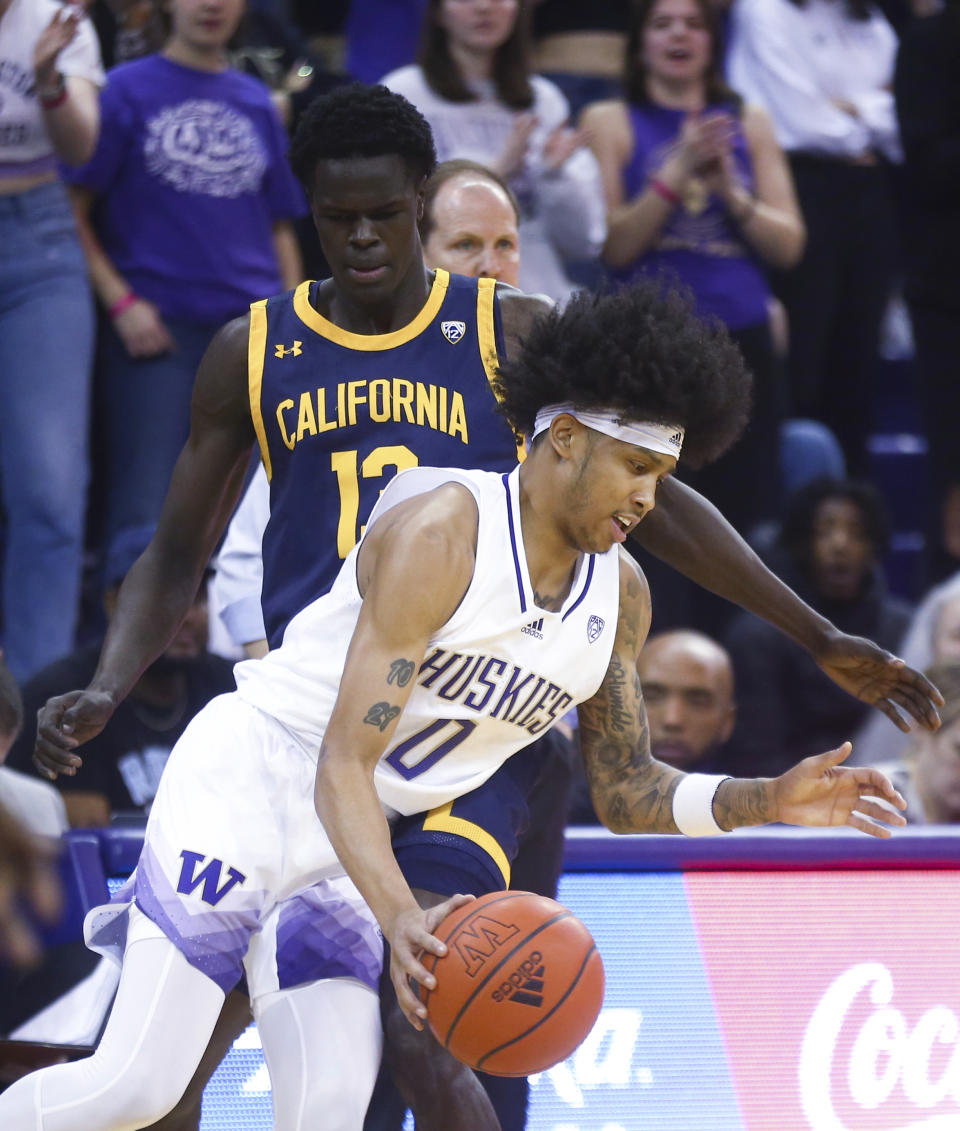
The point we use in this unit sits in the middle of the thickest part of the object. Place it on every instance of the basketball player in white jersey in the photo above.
(476, 609)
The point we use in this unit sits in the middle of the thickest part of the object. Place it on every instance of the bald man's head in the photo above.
(687, 681)
(470, 223)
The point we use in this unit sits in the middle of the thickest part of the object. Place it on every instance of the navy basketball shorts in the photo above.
(468, 845)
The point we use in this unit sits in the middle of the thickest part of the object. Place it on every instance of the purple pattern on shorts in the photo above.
(320, 935)
(105, 927)
(214, 942)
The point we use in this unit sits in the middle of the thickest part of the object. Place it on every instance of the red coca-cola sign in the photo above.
(838, 994)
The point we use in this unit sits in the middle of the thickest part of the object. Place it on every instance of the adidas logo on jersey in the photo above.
(534, 628)
(453, 331)
(594, 628)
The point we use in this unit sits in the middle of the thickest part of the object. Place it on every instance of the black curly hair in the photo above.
(358, 120)
(641, 350)
(800, 517)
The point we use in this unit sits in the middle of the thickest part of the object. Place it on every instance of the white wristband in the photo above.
(693, 804)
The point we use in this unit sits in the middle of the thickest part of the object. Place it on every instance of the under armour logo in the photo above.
(594, 628)
(453, 331)
(209, 876)
(284, 351)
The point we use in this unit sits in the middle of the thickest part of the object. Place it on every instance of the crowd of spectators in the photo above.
(790, 162)
(190, 153)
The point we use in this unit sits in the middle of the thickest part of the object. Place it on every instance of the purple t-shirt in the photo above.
(699, 242)
(190, 173)
(382, 35)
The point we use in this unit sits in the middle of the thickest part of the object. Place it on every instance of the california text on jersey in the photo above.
(379, 401)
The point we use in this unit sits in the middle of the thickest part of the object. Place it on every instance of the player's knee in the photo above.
(404, 1047)
(141, 1108)
(141, 1098)
(339, 1109)
(416, 1060)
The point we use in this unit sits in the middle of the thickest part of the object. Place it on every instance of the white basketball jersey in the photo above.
(498, 674)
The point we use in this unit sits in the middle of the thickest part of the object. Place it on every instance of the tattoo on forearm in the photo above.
(401, 672)
(381, 715)
(748, 805)
(617, 684)
(632, 792)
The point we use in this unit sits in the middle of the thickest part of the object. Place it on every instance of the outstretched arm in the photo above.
(163, 583)
(413, 569)
(684, 524)
(678, 531)
(633, 792)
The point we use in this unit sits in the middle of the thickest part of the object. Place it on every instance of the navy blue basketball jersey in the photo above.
(338, 414)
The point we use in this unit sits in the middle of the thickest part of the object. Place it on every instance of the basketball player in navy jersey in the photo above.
(345, 381)
(420, 640)
(468, 227)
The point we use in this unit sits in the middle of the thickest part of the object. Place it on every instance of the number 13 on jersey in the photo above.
(349, 470)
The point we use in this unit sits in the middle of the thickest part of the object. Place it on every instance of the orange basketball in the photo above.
(520, 986)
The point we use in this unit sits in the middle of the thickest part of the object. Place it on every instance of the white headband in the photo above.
(667, 439)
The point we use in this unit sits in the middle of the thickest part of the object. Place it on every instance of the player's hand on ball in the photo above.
(820, 792)
(410, 937)
(64, 723)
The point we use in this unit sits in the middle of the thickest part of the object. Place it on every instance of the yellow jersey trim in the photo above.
(487, 339)
(312, 318)
(256, 352)
(486, 335)
(441, 820)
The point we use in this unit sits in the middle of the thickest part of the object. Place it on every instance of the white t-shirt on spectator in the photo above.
(562, 211)
(798, 62)
(36, 804)
(24, 145)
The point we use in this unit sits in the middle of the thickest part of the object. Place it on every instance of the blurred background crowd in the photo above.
(792, 162)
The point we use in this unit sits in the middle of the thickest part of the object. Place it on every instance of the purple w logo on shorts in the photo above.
(209, 876)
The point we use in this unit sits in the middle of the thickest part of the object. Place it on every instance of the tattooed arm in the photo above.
(677, 531)
(413, 569)
(632, 792)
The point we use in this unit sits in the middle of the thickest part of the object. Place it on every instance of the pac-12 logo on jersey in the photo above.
(453, 331)
(594, 628)
(209, 876)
